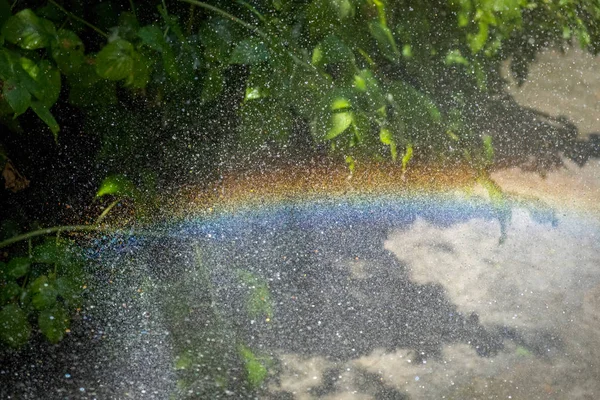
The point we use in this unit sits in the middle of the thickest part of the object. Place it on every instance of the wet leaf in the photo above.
(17, 267)
(213, 85)
(385, 40)
(386, 138)
(407, 157)
(116, 60)
(338, 123)
(69, 291)
(249, 51)
(17, 96)
(14, 328)
(43, 112)
(9, 291)
(43, 293)
(27, 30)
(53, 323)
(68, 51)
(255, 370)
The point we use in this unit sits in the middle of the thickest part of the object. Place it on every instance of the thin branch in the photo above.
(107, 210)
(47, 231)
(132, 7)
(76, 18)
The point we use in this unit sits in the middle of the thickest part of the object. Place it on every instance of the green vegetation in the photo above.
(44, 286)
(165, 92)
(365, 77)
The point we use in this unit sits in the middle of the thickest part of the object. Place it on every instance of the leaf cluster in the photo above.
(43, 289)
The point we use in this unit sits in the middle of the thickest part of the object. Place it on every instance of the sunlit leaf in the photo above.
(407, 157)
(17, 96)
(249, 51)
(386, 137)
(53, 323)
(338, 123)
(340, 103)
(116, 60)
(476, 42)
(256, 372)
(27, 30)
(117, 185)
(14, 328)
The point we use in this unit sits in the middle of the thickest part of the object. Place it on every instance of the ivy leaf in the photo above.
(27, 30)
(249, 51)
(116, 60)
(53, 323)
(14, 328)
(17, 267)
(43, 293)
(17, 96)
(338, 123)
(43, 112)
(68, 51)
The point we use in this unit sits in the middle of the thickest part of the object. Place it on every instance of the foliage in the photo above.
(367, 77)
(43, 289)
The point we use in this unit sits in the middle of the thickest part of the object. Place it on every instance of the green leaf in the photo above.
(387, 138)
(332, 50)
(116, 60)
(47, 81)
(27, 30)
(476, 42)
(249, 51)
(88, 89)
(68, 51)
(17, 96)
(255, 370)
(5, 12)
(153, 38)
(213, 85)
(43, 293)
(117, 185)
(17, 267)
(385, 40)
(140, 73)
(14, 328)
(53, 323)
(488, 148)
(407, 156)
(69, 290)
(49, 252)
(9, 291)
(338, 123)
(43, 112)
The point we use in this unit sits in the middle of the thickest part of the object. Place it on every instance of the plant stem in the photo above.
(107, 210)
(46, 231)
(132, 7)
(76, 18)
